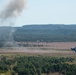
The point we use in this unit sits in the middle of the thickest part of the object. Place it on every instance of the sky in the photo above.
(46, 12)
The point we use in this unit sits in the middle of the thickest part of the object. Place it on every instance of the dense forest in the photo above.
(39, 33)
(37, 65)
(46, 33)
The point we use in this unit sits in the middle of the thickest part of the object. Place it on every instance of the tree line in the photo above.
(46, 33)
(38, 33)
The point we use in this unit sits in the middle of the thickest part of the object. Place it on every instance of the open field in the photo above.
(53, 45)
(52, 49)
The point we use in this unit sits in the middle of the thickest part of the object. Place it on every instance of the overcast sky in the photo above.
(46, 12)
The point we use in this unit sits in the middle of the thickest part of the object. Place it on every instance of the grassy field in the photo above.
(54, 50)
(45, 51)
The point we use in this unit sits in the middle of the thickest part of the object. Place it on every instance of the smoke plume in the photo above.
(8, 16)
(12, 10)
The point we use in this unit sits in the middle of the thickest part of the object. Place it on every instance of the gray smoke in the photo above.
(12, 10)
(8, 16)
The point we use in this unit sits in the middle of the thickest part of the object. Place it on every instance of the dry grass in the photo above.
(53, 74)
(58, 49)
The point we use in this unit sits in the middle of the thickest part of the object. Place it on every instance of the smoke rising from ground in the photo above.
(12, 10)
(8, 16)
